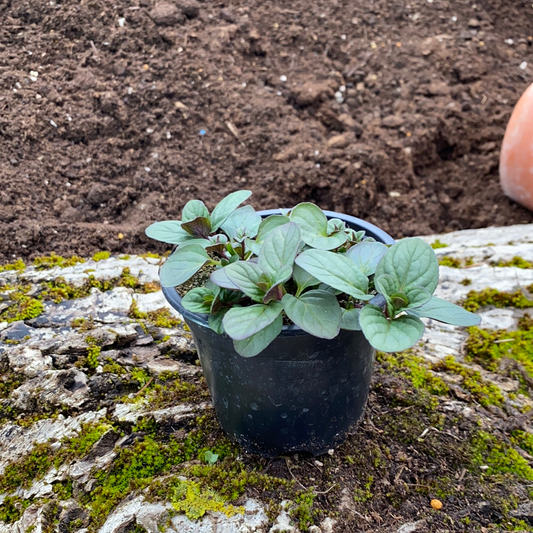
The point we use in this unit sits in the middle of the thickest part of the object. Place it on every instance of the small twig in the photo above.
(147, 383)
(234, 131)
(95, 51)
(500, 341)
(325, 491)
(293, 476)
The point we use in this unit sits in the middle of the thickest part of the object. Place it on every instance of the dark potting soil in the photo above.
(114, 114)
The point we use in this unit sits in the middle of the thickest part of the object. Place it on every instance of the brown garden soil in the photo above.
(105, 138)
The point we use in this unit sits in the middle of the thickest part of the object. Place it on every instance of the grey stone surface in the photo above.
(49, 353)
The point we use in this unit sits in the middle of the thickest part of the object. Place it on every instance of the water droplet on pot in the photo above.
(254, 406)
(305, 410)
(283, 415)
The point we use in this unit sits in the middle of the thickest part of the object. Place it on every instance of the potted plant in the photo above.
(287, 309)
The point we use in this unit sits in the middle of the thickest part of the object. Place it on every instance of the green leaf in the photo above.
(397, 299)
(350, 319)
(194, 209)
(243, 322)
(336, 224)
(199, 227)
(389, 335)
(367, 255)
(279, 251)
(198, 300)
(412, 262)
(314, 226)
(242, 218)
(220, 277)
(182, 265)
(387, 285)
(246, 277)
(417, 296)
(215, 321)
(226, 206)
(253, 246)
(303, 279)
(257, 342)
(447, 312)
(217, 243)
(326, 243)
(169, 231)
(210, 457)
(274, 293)
(269, 224)
(317, 312)
(336, 271)
(311, 219)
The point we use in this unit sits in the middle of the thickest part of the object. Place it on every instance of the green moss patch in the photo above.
(490, 348)
(53, 260)
(437, 244)
(38, 462)
(100, 256)
(477, 299)
(189, 498)
(416, 369)
(484, 392)
(454, 262)
(499, 457)
(516, 261)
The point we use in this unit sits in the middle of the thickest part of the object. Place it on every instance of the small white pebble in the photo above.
(46, 182)
(339, 97)
(53, 124)
(342, 88)
(317, 165)
(278, 93)
(121, 22)
(316, 152)
(15, 91)
(149, 130)
(38, 96)
(407, 150)
(430, 1)
(244, 84)
(509, 41)
(168, 135)
(18, 85)
(130, 90)
(319, 463)
(69, 118)
(89, 159)
(147, 169)
(283, 78)
(68, 184)
(331, 452)
(454, 19)
(105, 43)
(155, 156)
(394, 194)
(34, 75)
(30, 53)
(343, 37)
(180, 50)
(523, 65)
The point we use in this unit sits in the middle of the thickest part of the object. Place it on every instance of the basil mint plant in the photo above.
(299, 267)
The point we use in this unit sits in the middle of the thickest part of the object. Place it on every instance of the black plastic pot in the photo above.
(302, 393)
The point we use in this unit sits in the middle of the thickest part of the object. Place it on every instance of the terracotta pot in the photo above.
(516, 159)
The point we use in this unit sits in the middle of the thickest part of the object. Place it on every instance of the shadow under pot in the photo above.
(301, 394)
